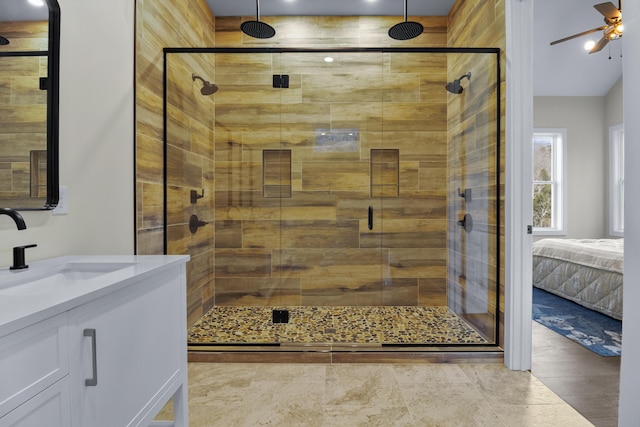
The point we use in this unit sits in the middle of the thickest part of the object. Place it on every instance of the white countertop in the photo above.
(42, 291)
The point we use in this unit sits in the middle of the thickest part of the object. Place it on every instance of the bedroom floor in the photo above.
(583, 379)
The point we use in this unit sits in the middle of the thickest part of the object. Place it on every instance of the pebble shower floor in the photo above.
(383, 325)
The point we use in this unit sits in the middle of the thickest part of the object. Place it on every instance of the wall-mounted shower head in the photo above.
(258, 29)
(407, 29)
(455, 87)
(3, 41)
(207, 88)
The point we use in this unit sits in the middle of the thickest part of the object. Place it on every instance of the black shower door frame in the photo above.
(441, 50)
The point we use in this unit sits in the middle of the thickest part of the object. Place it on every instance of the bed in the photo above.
(585, 271)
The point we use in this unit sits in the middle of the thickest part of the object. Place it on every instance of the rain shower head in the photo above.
(207, 88)
(258, 29)
(455, 87)
(405, 30)
(3, 41)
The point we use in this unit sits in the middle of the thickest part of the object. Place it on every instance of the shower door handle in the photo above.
(370, 217)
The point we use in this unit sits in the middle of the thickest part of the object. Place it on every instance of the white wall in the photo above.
(584, 119)
(629, 414)
(96, 138)
(613, 106)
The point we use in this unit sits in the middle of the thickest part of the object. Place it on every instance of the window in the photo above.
(549, 200)
(616, 180)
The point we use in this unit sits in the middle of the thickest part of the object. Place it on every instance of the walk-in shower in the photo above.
(331, 196)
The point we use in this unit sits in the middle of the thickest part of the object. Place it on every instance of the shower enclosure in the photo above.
(341, 197)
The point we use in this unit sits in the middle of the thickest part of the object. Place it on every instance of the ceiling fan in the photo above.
(612, 29)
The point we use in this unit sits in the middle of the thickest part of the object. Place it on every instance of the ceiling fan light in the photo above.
(589, 45)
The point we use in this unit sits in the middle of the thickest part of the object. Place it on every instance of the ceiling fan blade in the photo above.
(604, 27)
(598, 46)
(608, 10)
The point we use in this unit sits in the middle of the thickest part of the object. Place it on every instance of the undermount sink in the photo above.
(88, 270)
(39, 281)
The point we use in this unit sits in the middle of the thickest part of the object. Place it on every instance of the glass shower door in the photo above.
(332, 122)
(250, 172)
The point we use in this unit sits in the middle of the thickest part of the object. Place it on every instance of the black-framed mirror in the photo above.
(29, 99)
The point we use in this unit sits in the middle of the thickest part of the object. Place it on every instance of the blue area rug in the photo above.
(594, 331)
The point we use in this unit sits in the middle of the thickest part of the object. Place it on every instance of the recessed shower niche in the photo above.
(336, 198)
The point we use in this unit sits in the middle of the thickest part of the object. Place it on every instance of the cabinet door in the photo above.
(48, 408)
(139, 351)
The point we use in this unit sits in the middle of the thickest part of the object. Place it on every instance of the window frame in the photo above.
(616, 180)
(558, 181)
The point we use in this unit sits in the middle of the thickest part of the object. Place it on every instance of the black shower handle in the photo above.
(195, 223)
(370, 217)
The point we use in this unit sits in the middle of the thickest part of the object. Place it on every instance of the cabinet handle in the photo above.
(370, 217)
(92, 382)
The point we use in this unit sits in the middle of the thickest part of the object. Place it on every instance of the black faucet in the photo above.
(18, 252)
(17, 218)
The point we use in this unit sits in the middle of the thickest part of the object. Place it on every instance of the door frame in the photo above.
(518, 201)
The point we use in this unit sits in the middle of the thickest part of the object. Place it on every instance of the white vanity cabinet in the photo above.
(123, 353)
(111, 356)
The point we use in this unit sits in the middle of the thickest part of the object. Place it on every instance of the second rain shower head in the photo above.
(407, 29)
(207, 87)
(258, 29)
(455, 87)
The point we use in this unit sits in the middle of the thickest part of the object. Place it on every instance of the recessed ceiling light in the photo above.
(589, 45)
(37, 2)
(328, 59)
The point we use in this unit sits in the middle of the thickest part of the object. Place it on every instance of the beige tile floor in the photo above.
(371, 395)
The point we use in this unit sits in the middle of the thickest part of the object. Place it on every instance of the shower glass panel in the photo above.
(351, 199)
(331, 228)
(473, 176)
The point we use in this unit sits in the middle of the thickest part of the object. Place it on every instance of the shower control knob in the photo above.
(466, 223)
(195, 223)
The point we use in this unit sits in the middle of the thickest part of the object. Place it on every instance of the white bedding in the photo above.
(603, 254)
(586, 271)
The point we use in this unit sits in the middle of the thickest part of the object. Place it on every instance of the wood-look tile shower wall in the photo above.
(160, 24)
(314, 248)
(23, 112)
